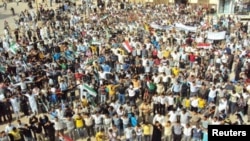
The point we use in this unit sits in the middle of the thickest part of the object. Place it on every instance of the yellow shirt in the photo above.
(238, 89)
(16, 135)
(165, 53)
(187, 103)
(122, 52)
(112, 89)
(136, 83)
(99, 136)
(175, 71)
(168, 130)
(84, 102)
(146, 129)
(201, 103)
(79, 122)
(93, 49)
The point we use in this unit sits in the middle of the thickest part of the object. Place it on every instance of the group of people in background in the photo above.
(104, 71)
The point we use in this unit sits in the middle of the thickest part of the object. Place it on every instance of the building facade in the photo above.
(221, 6)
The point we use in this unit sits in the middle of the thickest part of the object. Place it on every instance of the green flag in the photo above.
(90, 90)
(13, 47)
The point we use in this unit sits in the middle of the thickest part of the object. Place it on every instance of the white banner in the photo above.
(216, 35)
(181, 26)
(160, 27)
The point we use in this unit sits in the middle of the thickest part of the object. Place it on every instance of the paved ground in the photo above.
(6, 15)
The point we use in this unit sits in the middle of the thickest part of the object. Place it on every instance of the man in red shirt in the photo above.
(191, 59)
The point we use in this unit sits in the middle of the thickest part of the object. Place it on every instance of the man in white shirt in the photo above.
(233, 102)
(212, 94)
(23, 85)
(162, 107)
(9, 127)
(193, 88)
(184, 117)
(58, 125)
(194, 104)
(98, 120)
(129, 132)
(131, 94)
(187, 132)
(223, 104)
(170, 102)
(161, 68)
(172, 116)
(157, 117)
(102, 74)
(156, 103)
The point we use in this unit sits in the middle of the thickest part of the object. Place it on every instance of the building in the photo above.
(240, 7)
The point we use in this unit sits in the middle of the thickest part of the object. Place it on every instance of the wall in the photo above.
(214, 2)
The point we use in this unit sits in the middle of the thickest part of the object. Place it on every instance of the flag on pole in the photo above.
(204, 45)
(127, 46)
(90, 90)
(14, 47)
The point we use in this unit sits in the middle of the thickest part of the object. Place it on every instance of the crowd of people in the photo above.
(122, 71)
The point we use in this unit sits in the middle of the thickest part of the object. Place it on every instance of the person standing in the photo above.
(138, 131)
(15, 133)
(15, 102)
(129, 133)
(5, 5)
(145, 111)
(79, 124)
(38, 130)
(59, 126)
(157, 131)
(168, 131)
(205, 135)
(27, 133)
(248, 109)
(24, 105)
(12, 11)
(32, 102)
(49, 128)
(70, 125)
(146, 131)
(89, 125)
(187, 132)
(2, 108)
(131, 95)
(64, 89)
(100, 135)
(177, 131)
(197, 133)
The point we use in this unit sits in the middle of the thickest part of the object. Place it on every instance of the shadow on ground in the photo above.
(5, 16)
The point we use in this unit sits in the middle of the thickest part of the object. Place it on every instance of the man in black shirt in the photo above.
(38, 131)
(26, 132)
(122, 91)
(50, 130)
